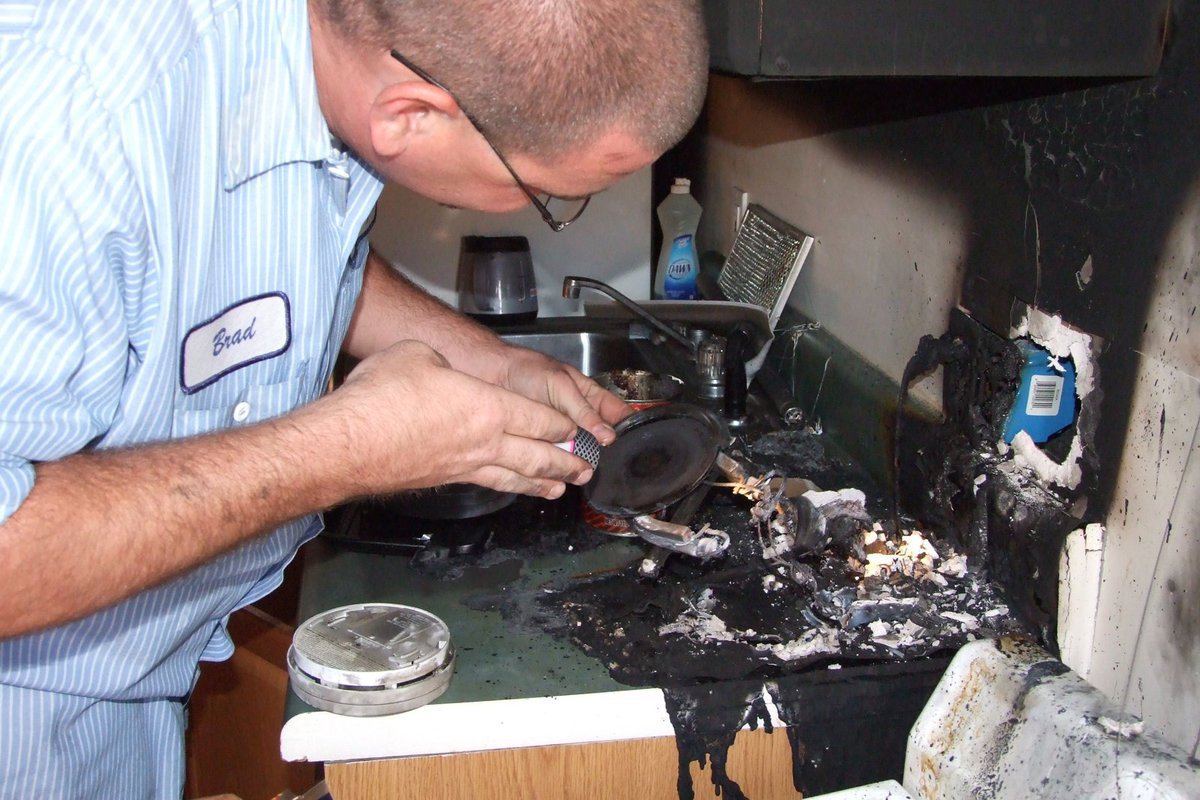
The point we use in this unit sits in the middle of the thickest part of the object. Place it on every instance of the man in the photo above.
(183, 190)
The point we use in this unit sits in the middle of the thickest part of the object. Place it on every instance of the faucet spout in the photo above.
(573, 283)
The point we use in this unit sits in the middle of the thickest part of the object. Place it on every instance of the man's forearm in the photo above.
(101, 526)
(392, 308)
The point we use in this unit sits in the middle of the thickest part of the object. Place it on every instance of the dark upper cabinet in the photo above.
(840, 38)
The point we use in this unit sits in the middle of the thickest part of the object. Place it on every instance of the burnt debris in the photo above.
(809, 607)
(821, 593)
(956, 482)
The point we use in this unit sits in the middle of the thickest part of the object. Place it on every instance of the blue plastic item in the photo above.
(1045, 403)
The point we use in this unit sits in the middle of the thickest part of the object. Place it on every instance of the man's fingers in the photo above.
(611, 408)
(592, 407)
(567, 395)
(533, 420)
(552, 382)
(505, 480)
(539, 460)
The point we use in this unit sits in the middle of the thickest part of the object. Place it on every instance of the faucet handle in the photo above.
(736, 353)
(710, 367)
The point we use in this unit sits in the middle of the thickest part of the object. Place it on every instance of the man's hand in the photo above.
(403, 419)
(392, 309)
(414, 422)
(560, 385)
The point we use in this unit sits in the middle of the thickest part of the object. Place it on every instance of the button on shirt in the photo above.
(182, 252)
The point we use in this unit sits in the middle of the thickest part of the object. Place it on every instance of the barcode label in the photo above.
(1045, 396)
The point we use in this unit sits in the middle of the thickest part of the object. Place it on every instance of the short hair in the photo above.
(546, 77)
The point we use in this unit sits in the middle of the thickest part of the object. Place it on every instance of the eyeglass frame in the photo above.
(556, 225)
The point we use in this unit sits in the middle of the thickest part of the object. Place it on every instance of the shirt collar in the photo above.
(274, 117)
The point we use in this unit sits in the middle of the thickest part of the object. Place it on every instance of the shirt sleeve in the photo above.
(64, 233)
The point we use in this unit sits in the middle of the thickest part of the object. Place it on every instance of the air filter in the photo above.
(763, 263)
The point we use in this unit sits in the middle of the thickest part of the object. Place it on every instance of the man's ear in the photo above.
(405, 109)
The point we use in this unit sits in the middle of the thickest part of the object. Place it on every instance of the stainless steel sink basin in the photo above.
(588, 351)
(595, 346)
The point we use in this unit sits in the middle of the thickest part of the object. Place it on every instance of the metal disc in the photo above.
(660, 454)
(369, 701)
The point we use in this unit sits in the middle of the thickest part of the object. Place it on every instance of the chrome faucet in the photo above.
(573, 283)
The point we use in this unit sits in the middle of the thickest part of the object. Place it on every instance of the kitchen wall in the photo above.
(1081, 198)
(610, 242)
(894, 233)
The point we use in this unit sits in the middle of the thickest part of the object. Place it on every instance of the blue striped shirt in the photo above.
(181, 253)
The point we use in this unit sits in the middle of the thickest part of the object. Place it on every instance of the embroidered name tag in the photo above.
(250, 331)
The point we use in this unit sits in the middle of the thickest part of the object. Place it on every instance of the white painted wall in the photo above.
(870, 228)
(610, 242)
(1147, 636)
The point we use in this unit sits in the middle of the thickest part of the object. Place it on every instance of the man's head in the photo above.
(594, 88)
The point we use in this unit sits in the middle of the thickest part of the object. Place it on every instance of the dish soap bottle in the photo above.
(678, 264)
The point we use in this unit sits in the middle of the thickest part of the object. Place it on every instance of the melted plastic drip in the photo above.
(706, 721)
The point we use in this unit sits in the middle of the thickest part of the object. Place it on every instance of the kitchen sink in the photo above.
(593, 347)
(588, 352)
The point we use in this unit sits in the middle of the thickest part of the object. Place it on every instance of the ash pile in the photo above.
(811, 577)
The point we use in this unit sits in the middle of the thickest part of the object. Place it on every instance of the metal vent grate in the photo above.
(764, 262)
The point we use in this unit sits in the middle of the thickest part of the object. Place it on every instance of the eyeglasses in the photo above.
(556, 225)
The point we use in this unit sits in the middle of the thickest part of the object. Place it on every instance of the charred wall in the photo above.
(1082, 190)
(1063, 195)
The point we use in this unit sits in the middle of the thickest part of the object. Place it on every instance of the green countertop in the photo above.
(498, 659)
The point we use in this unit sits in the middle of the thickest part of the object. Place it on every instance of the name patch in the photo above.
(253, 330)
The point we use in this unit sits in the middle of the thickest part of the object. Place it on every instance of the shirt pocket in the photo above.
(247, 406)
